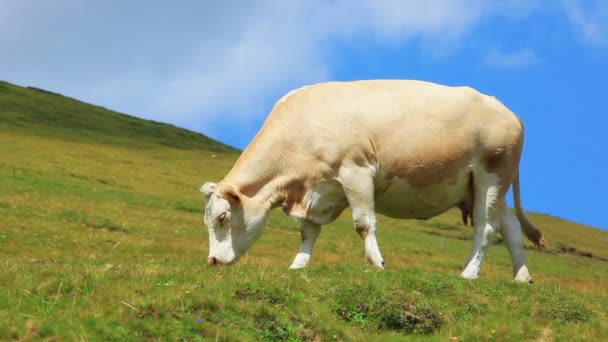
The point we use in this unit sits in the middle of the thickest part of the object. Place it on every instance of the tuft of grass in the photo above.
(410, 318)
(368, 307)
(573, 312)
(253, 291)
(272, 328)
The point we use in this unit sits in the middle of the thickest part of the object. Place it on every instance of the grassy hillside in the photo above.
(101, 238)
(37, 111)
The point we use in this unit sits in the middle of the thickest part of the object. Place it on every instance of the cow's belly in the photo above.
(401, 200)
(325, 202)
(394, 198)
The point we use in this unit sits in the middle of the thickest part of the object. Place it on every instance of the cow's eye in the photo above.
(221, 218)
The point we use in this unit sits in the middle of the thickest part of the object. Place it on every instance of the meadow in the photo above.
(101, 238)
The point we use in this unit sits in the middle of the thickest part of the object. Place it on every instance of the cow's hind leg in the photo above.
(358, 186)
(511, 232)
(310, 232)
(487, 197)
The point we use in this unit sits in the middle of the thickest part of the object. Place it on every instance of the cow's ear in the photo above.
(208, 188)
(232, 195)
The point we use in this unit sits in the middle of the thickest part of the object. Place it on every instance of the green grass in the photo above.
(101, 238)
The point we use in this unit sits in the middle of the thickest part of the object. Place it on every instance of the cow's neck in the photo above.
(259, 175)
(266, 172)
(257, 166)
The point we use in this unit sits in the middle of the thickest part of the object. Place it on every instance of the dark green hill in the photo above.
(48, 114)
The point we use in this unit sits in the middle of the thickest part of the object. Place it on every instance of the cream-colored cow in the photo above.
(406, 149)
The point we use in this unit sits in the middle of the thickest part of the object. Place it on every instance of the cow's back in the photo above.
(402, 125)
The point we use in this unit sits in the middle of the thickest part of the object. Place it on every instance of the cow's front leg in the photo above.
(358, 187)
(310, 232)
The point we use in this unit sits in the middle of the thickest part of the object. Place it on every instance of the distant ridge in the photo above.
(33, 110)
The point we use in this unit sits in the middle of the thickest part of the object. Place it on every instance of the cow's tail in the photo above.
(532, 232)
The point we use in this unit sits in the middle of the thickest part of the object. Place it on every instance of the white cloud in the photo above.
(509, 60)
(590, 19)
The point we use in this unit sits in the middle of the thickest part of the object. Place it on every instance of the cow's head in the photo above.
(234, 222)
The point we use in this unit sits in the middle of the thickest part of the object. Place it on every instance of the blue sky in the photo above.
(218, 67)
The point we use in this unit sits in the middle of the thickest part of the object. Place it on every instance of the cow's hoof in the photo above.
(300, 261)
(529, 280)
(523, 276)
(380, 264)
(469, 275)
(297, 266)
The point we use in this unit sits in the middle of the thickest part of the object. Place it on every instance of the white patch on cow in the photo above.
(222, 250)
(231, 237)
(310, 232)
(207, 189)
(325, 202)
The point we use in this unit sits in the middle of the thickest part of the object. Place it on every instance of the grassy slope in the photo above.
(101, 238)
(47, 114)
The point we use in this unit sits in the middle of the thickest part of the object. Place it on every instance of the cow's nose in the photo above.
(212, 261)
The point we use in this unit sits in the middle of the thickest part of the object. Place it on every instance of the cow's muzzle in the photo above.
(212, 261)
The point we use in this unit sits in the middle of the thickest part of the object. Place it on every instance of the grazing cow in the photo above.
(406, 149)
